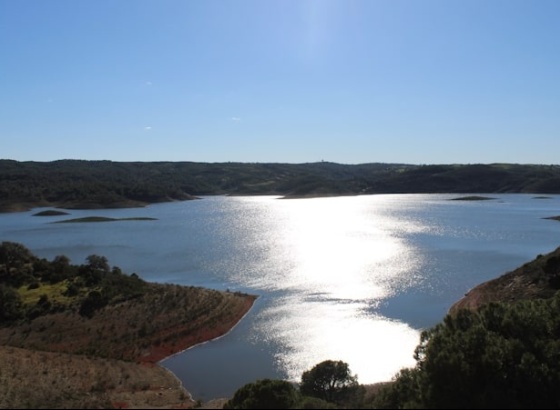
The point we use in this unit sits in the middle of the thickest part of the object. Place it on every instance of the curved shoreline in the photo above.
(252, 303)
(190, 401)
(160, 363)
(145, 382)
(158, 353)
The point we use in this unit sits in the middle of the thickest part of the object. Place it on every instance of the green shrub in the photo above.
(501, 356)
(264, 394)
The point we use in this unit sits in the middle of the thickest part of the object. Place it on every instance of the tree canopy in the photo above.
(501, 356)
(264, 394)
(330, 380)
(329, 384)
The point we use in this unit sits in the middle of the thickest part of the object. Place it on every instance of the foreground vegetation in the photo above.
(501, 356)
(328, 385)
(103, 184)
(97, 311)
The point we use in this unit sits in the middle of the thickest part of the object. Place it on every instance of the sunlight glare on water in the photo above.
(335, 260)
(312, 330)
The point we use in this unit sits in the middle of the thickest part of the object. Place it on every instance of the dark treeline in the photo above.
(90, 184)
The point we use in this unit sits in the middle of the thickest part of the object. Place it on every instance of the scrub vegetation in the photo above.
(96, 311)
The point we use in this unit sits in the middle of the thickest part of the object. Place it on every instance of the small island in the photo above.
(554, 218)
(91, 219)
(51, 212)
(472, 198)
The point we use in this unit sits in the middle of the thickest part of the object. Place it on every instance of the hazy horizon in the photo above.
(285, 162)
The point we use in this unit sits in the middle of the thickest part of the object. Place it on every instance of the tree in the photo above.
(330, 381)
(14, 255)
(501, 356)
(98, 263)
(10, 305)
(96, 268)
(15, 264)
(264, 394)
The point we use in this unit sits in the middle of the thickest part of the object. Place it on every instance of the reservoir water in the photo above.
(349, 278)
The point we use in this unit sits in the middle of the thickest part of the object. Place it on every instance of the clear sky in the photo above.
(401, 81)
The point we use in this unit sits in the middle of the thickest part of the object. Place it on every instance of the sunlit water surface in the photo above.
(351, 278)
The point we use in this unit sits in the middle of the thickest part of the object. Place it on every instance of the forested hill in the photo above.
(90, 184)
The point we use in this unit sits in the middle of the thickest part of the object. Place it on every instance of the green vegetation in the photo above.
(330, 381)
(499, 347)
(97, 309)
(265, 394)
(501, 356)
(75, 184)
(328, 385)
(103, 219)
(34, 287)
(62, 319)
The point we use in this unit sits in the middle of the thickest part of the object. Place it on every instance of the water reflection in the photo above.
(313, 329)
(333, 261)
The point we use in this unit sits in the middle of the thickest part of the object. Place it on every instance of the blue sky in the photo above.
(423, 82)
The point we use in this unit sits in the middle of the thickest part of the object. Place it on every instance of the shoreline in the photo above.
(158, 353)
(137, 377)
(160, 363)
(250, 307)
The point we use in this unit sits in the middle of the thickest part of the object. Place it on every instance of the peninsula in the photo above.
(97, 334)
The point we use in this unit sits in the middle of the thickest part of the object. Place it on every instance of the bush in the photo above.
(264, 394)
(315, 403)
(94, 301)
(10, 305)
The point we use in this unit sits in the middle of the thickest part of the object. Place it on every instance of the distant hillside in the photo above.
(103, 184)
(538, 279)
